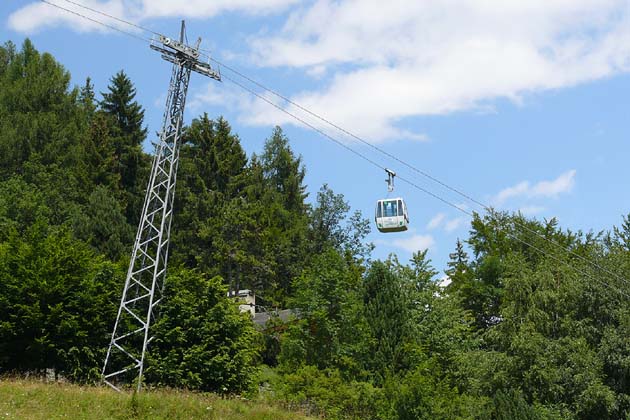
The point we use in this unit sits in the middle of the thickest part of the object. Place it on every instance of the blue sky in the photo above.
(521, 105)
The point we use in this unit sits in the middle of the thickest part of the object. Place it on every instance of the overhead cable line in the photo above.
(342, 144)
(141, 38)
(437, 197)
(345, 146)
(486, 207)
(135, 25)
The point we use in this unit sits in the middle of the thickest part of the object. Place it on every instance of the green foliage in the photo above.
(126, 134)
(41, 128)
(87, 97)
(219, 226)
(57, 304)
(202, 340)
(551, 322)
(284, 214)
(325, 393)
(331, 330)
(21, 204)
(103, 225)
(388, 306)
(424, 393)
(283, 172)
(127, 113)
(511, 405)
(327, 229)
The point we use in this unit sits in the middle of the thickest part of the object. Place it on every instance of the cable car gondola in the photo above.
(391, 213)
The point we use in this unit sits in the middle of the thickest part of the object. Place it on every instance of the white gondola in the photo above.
(391, 213)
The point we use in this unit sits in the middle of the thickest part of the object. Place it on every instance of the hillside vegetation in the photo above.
(527, 328)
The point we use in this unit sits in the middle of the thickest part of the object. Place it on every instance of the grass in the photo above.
(27, 399)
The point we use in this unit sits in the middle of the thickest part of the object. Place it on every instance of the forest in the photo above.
(527, 328)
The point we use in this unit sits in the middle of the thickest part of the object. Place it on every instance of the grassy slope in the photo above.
(36, 400)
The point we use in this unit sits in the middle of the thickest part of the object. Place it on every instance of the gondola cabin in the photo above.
(391, 215)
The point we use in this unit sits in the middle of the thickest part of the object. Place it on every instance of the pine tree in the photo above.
(42, 129)
(211, 162)
(388, 306)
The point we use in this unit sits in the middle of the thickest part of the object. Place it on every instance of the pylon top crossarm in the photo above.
(178, 52)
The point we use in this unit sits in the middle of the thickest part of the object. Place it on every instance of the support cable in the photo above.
(411, 183)
(135, 25)
(131, 34)
(486, 207)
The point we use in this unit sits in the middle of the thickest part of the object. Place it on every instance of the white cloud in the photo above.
(562, 184)
(522, 188)
(436, 221)
(414, 243)
(197, 9)
(531, 210)
(453, 224)
(439, 220)
(425, 58)
(214, 94)
(37, 15)
(373, 66)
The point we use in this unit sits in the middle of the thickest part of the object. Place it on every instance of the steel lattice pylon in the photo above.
(147, 269)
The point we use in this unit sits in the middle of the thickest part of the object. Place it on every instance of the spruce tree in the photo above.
(127, 113)
(458, 271)
(214, 156)
(86, 97)
(285, 212)
(127, 135)
(216, 228)
(284, 171)
(388, 309)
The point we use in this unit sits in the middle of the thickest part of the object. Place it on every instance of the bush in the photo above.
(202, 340)
(325, 393)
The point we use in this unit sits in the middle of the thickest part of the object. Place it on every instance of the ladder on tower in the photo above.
(144, 284)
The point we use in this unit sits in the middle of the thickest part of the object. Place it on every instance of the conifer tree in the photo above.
(87, 97)
(211, 162)
(285, 212)
(7, 53)
(284, 171)
(388, 309)
(459, 270)
(127, 113)
(127, 136)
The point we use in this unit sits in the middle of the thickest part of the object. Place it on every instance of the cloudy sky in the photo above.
(518, 104)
